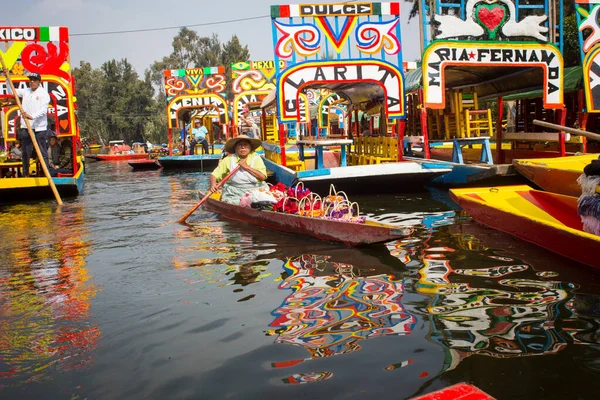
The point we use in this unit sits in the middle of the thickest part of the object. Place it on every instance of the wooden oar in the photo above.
(31, 134)
(186, 216)
(572, 131)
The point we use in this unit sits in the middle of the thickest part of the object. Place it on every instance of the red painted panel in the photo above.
(559, 207)
(462, 391)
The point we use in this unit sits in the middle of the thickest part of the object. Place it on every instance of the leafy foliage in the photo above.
(114, 102)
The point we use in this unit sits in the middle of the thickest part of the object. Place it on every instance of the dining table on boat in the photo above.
(320, 145)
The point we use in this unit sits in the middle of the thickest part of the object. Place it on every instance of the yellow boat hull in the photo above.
(547, 219)
(557, 175)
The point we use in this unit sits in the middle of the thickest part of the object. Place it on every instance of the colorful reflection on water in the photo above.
(333, 307)
(45, 294)
(490, 305)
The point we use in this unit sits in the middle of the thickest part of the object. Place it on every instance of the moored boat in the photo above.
(120, 157)
(557, 175)
(546, 219)
(139, 165)
(348, 233)
(17, 189)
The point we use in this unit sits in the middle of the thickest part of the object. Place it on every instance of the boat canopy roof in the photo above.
(116, 142)
(356, 92)
(572, 82)
(509, 82)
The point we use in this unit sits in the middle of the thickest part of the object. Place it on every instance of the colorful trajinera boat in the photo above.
(557, 175)
(20, 59)
(547, 219)
(348, 233)
(318, 101)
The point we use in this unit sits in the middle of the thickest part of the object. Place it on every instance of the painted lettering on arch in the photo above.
(448, 53)
(293, 80)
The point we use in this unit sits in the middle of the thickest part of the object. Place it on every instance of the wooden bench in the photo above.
(458, 143)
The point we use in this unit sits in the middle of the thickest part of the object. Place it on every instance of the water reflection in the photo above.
(44, 293)
(333, 306)
(491, 305)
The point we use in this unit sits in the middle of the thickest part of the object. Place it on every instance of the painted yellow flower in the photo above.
(18, 69)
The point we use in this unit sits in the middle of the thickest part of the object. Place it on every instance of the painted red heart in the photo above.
(64, 124)
(491, 18)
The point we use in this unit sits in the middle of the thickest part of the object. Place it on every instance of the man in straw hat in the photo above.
(35, 109)
(251, 175)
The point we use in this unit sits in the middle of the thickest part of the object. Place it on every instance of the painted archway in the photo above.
(195, 101)
(440, 55)
(291, 82)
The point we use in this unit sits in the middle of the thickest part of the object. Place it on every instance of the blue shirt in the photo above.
(199, 133)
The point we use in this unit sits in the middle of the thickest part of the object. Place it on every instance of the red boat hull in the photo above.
(348, 233)
(581, 249)
(120, 157)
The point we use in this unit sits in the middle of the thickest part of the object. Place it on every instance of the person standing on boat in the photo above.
(251, 175)
(199, 133)
(35, 109)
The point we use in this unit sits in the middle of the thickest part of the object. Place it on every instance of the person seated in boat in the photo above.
(53, 150)
(15, 151)
(251, 175)
(65, 161)
(199, 132)
(247, 124)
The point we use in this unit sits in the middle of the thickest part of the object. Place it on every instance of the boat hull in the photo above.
(27, 189)
(141, 165)
(555, 175)
(348, 233)
(204, 162)
(360, 179)
(564, 241)
(120, 157)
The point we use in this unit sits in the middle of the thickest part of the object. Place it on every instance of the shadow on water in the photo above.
(219, 309)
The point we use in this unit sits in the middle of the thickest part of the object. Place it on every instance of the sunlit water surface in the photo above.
(111, 299)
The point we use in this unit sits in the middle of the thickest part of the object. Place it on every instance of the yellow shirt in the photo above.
(224, 165)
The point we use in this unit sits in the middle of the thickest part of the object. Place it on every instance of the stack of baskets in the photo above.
(301, 201)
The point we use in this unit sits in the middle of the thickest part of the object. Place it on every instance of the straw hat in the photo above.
(230, 144)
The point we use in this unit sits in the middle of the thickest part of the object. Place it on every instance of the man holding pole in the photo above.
(35, 109)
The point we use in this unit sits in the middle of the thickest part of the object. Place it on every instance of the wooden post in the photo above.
(281, 134)
(561, 133)
(424, 130)
(401, 128)
(583, 118)
(499, 152)
(31, 134)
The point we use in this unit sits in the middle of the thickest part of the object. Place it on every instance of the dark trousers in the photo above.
(204, 144)
(27, 148)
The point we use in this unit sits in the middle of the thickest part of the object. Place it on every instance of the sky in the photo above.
(142, 49)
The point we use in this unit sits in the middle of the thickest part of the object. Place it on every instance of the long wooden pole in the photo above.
(187, 215)
(31, 135)
(572, 131)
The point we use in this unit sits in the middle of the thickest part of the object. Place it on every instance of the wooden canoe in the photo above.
(121, 157)
(547, 219)
(348, 233)
(557, 175)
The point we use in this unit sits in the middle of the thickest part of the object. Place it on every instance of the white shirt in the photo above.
(35, 103)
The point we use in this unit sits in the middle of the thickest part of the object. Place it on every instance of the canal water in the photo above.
(109, 298)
